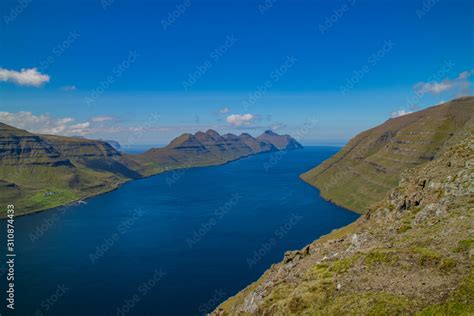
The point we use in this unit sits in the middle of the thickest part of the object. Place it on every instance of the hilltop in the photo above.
(43, 171)
(371, 163)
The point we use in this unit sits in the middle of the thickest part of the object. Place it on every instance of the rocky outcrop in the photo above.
(371, 163)
(412, 252)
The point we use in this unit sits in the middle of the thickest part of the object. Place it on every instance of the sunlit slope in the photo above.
(370, 164)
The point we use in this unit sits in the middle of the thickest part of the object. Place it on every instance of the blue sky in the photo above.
(142, 72)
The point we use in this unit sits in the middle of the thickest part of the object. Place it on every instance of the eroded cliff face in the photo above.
(371, 163)
(20, 147)
(411, 253)
(43, 171)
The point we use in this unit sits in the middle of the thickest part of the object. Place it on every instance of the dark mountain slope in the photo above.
(281, 142)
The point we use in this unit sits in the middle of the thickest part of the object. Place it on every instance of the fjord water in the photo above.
(177, 243)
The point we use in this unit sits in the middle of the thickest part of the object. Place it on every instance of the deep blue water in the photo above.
(174, 244)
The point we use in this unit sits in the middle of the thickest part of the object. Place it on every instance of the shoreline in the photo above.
(70, 203)
(329, 200)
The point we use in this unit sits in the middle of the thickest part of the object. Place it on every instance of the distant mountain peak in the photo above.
(270, 132)
(246, 135)
(212, 132)
(281, 142)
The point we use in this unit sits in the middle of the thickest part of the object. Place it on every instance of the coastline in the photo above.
(119, 184)
(329, 200)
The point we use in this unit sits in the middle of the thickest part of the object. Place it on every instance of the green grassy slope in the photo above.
(410, 254)
(371, 163)
(41, 171)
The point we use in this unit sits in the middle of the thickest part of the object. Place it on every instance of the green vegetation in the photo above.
(464, 245)
(460, 303)
(371, 163)
(427, 257)
(380, 257)
(371, 303)
(51, 197)
(410, 253)
(343, 265)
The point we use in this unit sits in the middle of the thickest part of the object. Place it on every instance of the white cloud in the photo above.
(433, 87)
(400, 113)
(24, 77)
(45, 124)
(102, 118)
(239, 120)
(68, 126)
(69, 88)
(461, 83)
(224, 110)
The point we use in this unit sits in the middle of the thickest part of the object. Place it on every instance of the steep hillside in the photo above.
(371, 163)
(411, 253)
(42, 171)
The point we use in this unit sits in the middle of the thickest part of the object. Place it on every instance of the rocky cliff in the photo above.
(43, 171)
(371, 163)
(411, 253)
